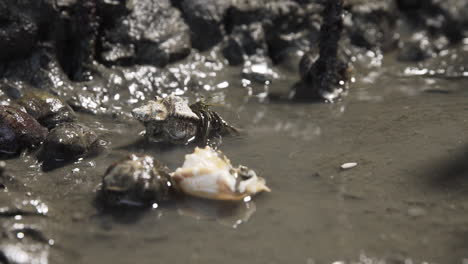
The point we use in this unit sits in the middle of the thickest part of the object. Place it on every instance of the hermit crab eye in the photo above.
(244, 173)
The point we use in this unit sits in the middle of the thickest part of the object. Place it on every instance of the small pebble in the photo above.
(348, 165)
(416, 212)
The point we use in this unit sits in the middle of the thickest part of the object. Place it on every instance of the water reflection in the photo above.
(366, 259)
(231, 214)
(23, 244)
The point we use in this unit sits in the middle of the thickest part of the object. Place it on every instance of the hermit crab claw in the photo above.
(207, 173)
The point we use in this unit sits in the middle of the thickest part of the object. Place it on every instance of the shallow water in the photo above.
(405, 202)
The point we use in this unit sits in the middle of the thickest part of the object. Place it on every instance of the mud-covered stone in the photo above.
(153, 33)
(245, 40)
(68, 142)
(18, 31)
(205, 19)
(13, 88)
(373, 24)
(282, 15)
(47, 109)
(18, 130)
(245, 12)
(136, 180)
(414, 52)
(447, 18)
(40, 70)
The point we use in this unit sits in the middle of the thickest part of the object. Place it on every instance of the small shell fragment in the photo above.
(348, 165)
(207, 173)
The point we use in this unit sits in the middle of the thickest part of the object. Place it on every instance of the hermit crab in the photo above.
(207, 173)
(172, 120)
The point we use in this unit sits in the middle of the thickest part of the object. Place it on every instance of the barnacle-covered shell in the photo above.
(168, 120)
(136, 180)
(209, 174)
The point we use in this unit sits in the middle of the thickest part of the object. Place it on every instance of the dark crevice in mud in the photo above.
(76, 39)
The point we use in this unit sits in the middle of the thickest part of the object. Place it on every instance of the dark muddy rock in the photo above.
(287, 49)
(244, 13)
(152, 33)
(9, 90)
(245, 40)
(205, 18)
(414, 51)
(40, 70)
(259, 69)
(18, 31)
(280, 15)
(293, 32)
(421, 46)
(373, 25)
(136, 180)
(446, 18)
(43, 71)
(68, 142)
(288, 29)
(46, 108)
(13, 88)
(21, 244)
(19, 130)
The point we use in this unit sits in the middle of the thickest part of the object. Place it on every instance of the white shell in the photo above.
(162, 108)
(348, 165)
(208, 174)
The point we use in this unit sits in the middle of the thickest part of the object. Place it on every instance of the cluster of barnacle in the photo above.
(206, 173)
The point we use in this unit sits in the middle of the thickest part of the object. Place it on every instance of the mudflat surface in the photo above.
(407, 199)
